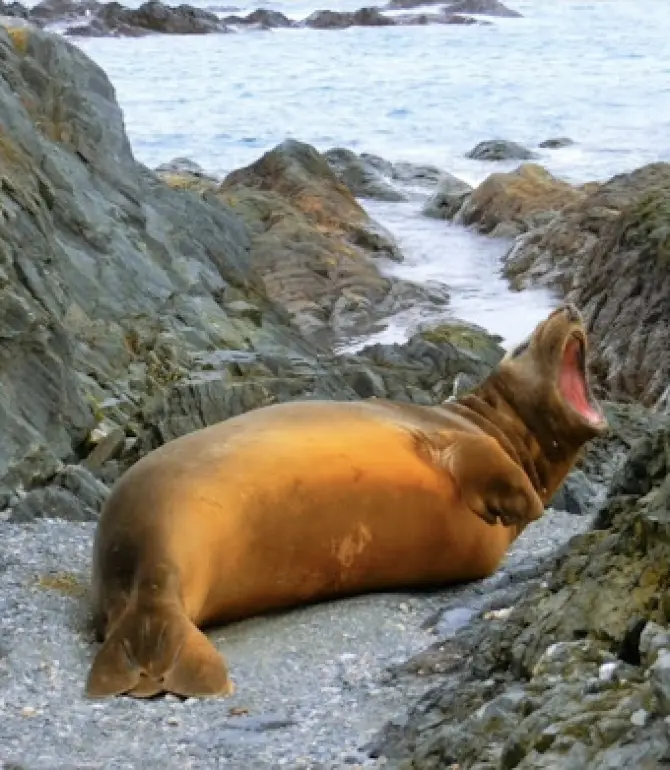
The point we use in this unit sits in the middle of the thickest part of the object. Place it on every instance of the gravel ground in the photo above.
(312, 684)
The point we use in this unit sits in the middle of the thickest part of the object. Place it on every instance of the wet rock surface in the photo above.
(365, 179)
(448, 197)
(500, 149)
(556, 143)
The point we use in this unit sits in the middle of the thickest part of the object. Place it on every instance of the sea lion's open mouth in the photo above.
(573, 381)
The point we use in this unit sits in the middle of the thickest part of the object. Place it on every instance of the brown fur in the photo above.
(306, 501)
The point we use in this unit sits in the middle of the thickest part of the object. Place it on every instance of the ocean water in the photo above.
(598, 72)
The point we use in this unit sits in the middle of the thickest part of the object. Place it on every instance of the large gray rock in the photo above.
(447, 199)
(361, 177)
(500, 149)
(134, 311)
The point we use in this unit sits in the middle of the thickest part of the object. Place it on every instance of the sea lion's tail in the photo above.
(155, 650)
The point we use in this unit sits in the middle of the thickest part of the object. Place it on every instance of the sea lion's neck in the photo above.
(545, 460)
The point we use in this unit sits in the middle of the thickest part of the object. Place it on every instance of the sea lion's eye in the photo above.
(519, 349)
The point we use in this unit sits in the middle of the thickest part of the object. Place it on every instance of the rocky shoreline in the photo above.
(141, 304)
(91, 18)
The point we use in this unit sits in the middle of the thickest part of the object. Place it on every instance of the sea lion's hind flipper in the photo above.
(199, 670)
(114, 671)
(489, 481)
(152, 651)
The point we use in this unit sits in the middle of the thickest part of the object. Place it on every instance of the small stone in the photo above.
(606, 671)
(639, 718)
(28, 711)
(653, 638)
(660, 681)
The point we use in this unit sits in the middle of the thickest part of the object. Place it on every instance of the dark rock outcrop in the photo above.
(263, 19)
(94, 18)
(370, 176)
(575, 672)
(609, 252)
(500, 149)
(363, 178)
(447, 199)
(113, 19)
(556, 143)
(364, 17)
(374, 17)
(48, 11)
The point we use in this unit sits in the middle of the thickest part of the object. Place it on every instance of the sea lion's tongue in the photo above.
(572, 384)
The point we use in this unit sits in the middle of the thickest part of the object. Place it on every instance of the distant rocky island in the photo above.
(90, 18)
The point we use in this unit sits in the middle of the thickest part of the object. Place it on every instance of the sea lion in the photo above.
(312, 500)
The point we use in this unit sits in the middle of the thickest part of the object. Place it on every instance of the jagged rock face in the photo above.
(133, 312)
(608, 252)
(101, 263)
(315, 246)
(576, 675)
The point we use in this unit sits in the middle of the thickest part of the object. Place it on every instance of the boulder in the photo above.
(556, 143)
(369, 175)
(506, 204)
(185, 174)
(361, 177)
(608, 251)
(447, 199)
(314, 245)
(419, 174)
(500, 149)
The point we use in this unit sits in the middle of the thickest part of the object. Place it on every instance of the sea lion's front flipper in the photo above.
(155, 650)
(490, 483)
